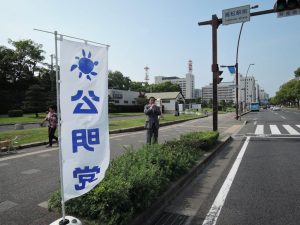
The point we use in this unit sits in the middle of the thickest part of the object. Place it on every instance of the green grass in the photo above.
(40, 134)
(26, 118)
(125, 114)
(26, 136)
(120, 124)
(30, 118)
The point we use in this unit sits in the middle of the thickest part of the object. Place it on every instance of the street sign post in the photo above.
(236, 15)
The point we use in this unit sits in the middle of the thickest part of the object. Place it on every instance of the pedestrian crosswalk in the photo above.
(277, 129)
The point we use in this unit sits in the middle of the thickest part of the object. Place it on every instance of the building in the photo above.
(122, 97)
(186, 84)
(168, 101)
(247, 89)
(198, 93)
(226, 91)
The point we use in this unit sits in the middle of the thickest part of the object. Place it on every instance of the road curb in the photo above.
(149, 216)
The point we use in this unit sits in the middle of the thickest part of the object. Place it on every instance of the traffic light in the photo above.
(282, 5)
(219, 79)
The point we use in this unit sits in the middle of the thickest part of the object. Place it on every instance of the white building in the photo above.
(122, 97)
(186, 84)
(168, 101)
(247, 89)
(226, 91)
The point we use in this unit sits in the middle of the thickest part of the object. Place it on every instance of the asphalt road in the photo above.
(261, 184)
(30, 176)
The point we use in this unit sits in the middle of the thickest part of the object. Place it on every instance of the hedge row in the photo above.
(136, 179)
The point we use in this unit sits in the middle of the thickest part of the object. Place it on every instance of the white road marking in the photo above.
(43, 204)
(27, 154)
(4, 164)
(214, 212)
(297, 113)
(298, 126)
(274, 129)
(32, 171)
(255, 123)
(283, 117)
(290, 129)
(259, 129)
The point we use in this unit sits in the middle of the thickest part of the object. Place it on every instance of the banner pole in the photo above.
(59, 130)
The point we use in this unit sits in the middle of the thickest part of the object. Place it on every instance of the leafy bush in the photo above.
(15, 113)
(136, 179)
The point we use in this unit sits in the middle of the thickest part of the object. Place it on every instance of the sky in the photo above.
(163, 35)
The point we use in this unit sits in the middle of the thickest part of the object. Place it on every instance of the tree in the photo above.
(17, 70)
(116, 80)
(165, 87)
(139, 86)
(35, 99)
(297, 72)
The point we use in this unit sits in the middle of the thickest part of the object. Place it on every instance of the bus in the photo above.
(254, 106)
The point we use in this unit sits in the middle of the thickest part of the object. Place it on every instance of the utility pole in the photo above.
(215, 22)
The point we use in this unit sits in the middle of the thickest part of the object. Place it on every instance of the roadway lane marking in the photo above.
(283, 117)
(4, 164)
(259, 129)
(274, 129)
(32, 171)
(290, 129)
(296, 113)
(43, 204)
(6, 205)
(255, 123)
(214, 212)
(298, 126)
(27, 154)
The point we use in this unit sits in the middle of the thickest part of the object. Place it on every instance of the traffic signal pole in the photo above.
(215, 22)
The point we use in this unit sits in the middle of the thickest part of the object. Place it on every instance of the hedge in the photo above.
(15, 113)
(136, 179)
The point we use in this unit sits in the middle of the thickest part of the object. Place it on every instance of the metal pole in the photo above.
(215, 24)
(59, 130)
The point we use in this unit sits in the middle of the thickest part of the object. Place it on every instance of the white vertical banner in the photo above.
(84, 116)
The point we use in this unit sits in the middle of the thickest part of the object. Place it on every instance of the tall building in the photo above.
(186, 84)
(226, 92)
(247, 89)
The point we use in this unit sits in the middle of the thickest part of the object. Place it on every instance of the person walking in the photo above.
(52, 124)
(152, 112)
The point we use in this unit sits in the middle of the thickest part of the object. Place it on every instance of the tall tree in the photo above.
(117, 80)
(35, 99)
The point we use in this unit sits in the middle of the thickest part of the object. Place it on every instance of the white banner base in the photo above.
(72, 221)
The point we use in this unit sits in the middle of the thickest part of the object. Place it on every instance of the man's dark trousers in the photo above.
(152, 132)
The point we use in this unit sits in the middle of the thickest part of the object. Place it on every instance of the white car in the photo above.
(276, 108)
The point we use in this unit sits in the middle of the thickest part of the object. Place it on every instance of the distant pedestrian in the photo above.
(152, 122)
(52, 124)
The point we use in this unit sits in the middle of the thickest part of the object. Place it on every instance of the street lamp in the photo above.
(245, 102)
(237, 64)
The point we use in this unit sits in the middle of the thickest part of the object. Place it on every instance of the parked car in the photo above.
(276, 108)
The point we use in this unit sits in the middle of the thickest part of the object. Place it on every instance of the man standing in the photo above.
(152, 123)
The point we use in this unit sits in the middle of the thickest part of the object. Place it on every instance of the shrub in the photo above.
(15, 113)
(135, 180)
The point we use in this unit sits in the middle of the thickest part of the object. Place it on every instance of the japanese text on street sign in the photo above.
(236, 15)
(84, 116)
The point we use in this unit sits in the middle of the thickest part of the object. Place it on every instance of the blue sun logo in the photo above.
(85, 65)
